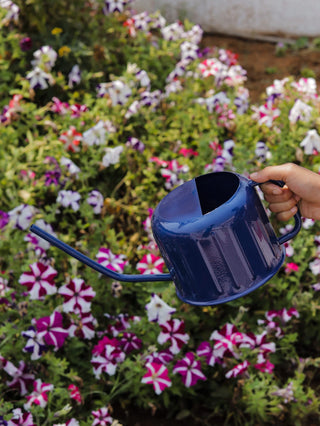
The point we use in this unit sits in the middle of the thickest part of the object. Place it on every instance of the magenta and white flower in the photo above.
(21, 216)
(206, 350)
(227, 341)
(39, 396)
(238, 369)
(266, 114)
(158, 310)
(108, 358)
(101, 417)
(263, 364)
(311, 143)
(21, 418)
(77, 296)
(150, 264)
(157, 376)
(162, 357)
(173, 331)
(51, 331)
(112, 156)
(68, 198)
(130, 342)
(96, 200)
(39, 281)
(115, 262)
(83, 326)
(21, 379)
(189, 369)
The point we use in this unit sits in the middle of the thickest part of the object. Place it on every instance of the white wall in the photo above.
(261, 18)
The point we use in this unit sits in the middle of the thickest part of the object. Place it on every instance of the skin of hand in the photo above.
(302, 187)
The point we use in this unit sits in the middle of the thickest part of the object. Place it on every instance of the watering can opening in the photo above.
(215, 189)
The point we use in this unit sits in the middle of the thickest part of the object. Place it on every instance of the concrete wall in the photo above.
(248, 18)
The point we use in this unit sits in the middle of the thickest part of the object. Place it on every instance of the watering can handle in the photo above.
(95, 265)
(297, 217)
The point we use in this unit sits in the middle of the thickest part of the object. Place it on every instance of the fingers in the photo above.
(274, 172)
(281, 201)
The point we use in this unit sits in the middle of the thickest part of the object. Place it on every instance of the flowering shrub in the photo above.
(104, 110)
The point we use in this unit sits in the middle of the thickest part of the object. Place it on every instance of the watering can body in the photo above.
(215, 238)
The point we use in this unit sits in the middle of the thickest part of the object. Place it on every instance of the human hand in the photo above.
(302, 186)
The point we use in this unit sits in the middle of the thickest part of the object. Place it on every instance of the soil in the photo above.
(263, 66)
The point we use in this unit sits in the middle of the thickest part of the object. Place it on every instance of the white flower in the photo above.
(95, 199)
(173, 31)
(300, 111)
(21, 216)
(315, 266)
(96, 135)
(39, 79)
(119, 92)
(189, 50)
(158, 310)
(112, 156)
(74, 76)
(69, 199)
(311, 142)
(45, 57)
(73, 169)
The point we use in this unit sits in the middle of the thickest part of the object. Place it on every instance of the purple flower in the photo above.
(136, 144)
(108, 358)
(162, 357)
(115, 262)
(25, 44)
(173, 331)
(21, 419)
(96, 200)
(52, 177)
(77, 296)
(207, 351)
(83, 326)
(111, 6)
(4, 219)
(51, 330)
(190, 370)
(34, 345)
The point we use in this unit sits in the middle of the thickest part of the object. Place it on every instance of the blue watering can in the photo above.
(214, 236)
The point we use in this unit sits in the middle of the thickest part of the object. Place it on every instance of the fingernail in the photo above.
(294, 209)
(253, 175)
(276, 191)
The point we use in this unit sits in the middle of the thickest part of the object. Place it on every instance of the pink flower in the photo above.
(71, 139)
(190, 370)
(238, 369)
(130, 342)
(39, 396)
(162, 357)
(109, 354)
(101, 417)
(50, 329)
(266, 114)
(40, 281)
(59, 107)
(264, 365)
(227, 341)
(150, 264)
(83, 326)
(291, 267)
(157, 376)
(77, 296)
(77, 110)
(115, 262)
(173, 331)
(187, 152)
(75, 393)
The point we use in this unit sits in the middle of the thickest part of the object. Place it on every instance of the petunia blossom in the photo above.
(189, 369)
(130, 342)
(71, 139)
(39, 396)
(20, 418)
(77, 296)
(4, 219)
(83, 326)
(39, 281)
(157, 376)
(173, 331)
(21, 378)
(75, 393)
(158, 310)
(227, 340)
(21, 216)
(45, 58)
(206, 350)
(51, 330)
(107, 360)
(74, 76)
(96, 135)
(311, 143)
(150, 264)
(101, 417)
(35, 344)
(238, 369)
(68, 198)
(39, 79)
(112, 156)
(300, 112)
(115, 262)
(96, 200)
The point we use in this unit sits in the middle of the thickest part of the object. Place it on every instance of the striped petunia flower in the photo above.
(189, 369)
(115, 262)
(77, 296)
(51, 331)
(39, 281)
(157, 376)
(150, 264)
(173, 331)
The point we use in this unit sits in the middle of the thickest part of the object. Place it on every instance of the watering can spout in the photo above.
(95, 265)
